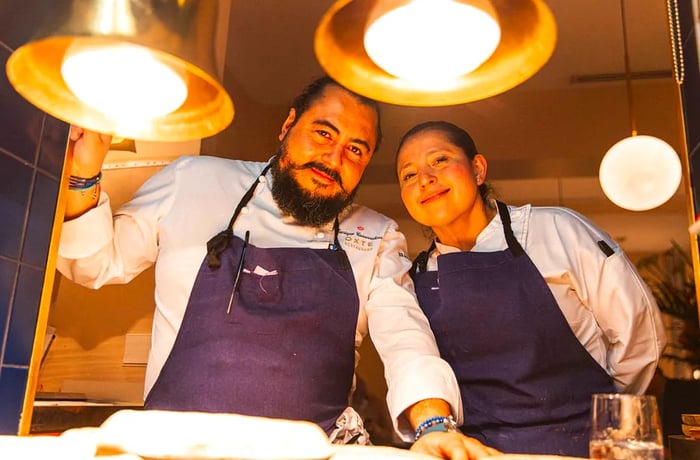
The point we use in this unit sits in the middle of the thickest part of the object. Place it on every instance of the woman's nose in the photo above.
(425, 178)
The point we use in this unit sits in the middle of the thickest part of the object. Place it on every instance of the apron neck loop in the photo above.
(222, 240)
(515, 248)
(421, 262)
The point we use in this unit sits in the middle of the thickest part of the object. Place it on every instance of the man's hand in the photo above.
(452, 446)
(86, 153)
(87, 150)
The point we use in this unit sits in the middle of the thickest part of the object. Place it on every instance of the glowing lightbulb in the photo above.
(123, 81)
(431, 42)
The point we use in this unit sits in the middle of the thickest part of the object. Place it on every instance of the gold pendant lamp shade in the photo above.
(499, 44)
(140, 69)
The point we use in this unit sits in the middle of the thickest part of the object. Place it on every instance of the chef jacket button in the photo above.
(320, 235)
(262, 179)
(244, 210)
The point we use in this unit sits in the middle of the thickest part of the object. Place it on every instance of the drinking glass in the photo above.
(625, 427)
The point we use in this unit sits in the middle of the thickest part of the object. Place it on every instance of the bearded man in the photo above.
(268, 278)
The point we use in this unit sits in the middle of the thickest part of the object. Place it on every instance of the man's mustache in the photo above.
(332, 173)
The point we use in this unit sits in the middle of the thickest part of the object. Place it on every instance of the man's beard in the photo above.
(293, 200)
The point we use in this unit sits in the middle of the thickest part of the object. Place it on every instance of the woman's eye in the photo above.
(439, 160)
(408, 176)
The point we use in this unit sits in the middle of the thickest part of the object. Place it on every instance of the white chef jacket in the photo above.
(175, 213)
(607, 305)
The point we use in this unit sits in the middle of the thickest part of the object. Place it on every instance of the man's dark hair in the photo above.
(314, 91)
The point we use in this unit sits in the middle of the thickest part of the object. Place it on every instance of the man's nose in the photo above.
(333, 157)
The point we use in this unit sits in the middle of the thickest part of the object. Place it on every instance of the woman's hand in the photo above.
(452, 446)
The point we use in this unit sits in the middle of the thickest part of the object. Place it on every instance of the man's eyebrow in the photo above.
(327, 124)
(333, 128)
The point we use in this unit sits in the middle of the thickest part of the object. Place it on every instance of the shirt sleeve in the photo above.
(98, 249)
(622, 304)
(402, 336)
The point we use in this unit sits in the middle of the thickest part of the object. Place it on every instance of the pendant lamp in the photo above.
(638, 173)
(138, 69)
(434, 52)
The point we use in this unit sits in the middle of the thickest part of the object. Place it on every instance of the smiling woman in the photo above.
(442, 181)
(555, 286)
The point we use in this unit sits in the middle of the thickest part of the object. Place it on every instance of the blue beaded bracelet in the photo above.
(440, 423)
(83, 183)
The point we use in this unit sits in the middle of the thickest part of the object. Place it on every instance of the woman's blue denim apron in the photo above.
(525, 379)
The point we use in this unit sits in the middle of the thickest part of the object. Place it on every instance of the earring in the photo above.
(478, 180)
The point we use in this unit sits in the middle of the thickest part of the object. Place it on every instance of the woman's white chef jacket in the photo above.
(180, 208)
(609, 308)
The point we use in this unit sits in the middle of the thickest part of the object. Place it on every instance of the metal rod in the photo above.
(628, 72)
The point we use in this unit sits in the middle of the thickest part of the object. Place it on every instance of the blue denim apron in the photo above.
(525, 379)
(278, 342)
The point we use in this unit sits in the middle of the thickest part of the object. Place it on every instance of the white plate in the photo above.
(207, 436)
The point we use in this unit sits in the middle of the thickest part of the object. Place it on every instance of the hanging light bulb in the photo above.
(450, 52)
(638, 173)
(123, 80)
(136, 69)
(431, 42)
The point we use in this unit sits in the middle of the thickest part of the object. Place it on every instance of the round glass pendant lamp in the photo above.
(138, 69)
(640, 173)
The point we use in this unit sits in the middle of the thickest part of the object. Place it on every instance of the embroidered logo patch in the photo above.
(358, 241)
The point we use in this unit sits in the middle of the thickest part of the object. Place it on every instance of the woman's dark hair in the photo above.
(457, 137)
(314, 91)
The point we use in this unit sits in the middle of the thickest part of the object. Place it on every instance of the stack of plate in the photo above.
(691, 425)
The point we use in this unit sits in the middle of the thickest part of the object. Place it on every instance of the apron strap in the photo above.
(420, 263)
(222, 240)
(515, 248)
(335, 246)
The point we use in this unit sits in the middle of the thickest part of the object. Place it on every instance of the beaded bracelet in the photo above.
(440, 423)
(83, 183)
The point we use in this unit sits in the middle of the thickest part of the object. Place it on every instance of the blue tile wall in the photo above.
(13, 381)
(32, 147)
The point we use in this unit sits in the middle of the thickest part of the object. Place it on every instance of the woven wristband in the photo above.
(83, 183)
(440, 423)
